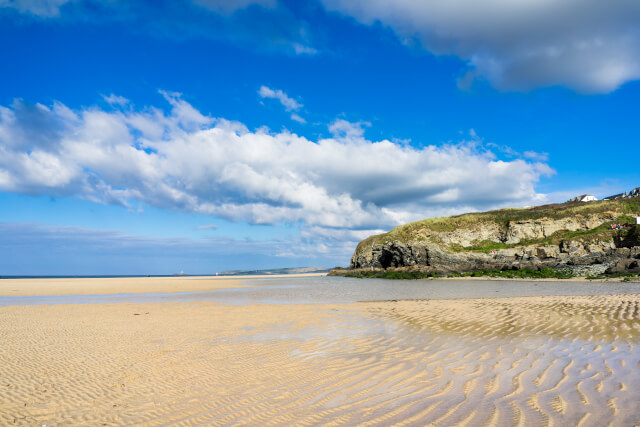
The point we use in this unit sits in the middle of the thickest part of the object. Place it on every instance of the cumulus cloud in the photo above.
(519, 45)
(185, 160)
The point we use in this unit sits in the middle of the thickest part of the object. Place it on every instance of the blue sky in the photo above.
(204, 135)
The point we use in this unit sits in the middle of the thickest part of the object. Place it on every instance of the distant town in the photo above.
(589, 198)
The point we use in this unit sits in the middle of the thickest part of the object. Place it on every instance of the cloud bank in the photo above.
(338, 188)
(43, 249)
(586, 45)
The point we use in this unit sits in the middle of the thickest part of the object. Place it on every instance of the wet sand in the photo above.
(543, 360)
(122, 285)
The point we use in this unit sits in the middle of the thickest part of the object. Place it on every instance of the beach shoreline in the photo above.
(31, 287)
(26, 287)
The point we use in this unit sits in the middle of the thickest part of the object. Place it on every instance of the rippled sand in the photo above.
(492, 361)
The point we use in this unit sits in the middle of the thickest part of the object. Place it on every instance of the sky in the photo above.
(198, 136)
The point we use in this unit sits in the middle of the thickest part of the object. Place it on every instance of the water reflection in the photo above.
(308, 290)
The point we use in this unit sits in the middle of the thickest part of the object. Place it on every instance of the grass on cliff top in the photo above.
(525, 273)
(624, 209)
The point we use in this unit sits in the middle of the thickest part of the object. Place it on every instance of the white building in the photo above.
(584, 198)
(638, 220)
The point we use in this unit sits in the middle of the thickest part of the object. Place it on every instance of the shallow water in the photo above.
(330, 289)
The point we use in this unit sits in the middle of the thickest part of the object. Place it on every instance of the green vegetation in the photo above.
(632, 206)
(525, 273)
(626, 276)
(389, 274)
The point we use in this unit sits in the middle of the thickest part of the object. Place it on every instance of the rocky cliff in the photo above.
(574, 236)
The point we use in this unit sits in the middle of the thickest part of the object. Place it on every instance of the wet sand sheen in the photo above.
(493, 361)
(132, 285)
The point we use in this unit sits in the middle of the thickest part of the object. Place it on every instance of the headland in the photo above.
(595, 239)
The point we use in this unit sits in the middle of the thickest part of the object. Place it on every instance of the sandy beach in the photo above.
(126, 285)
(538, 360)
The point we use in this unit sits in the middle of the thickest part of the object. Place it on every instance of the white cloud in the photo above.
(288, 103)
(534, 155)
(297, 118)
(585, 45)
(343, 129)
(116, 100)
(301, 49)
(188, 161)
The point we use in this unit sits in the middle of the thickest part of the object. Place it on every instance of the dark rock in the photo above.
(429, 257)
(618, 268)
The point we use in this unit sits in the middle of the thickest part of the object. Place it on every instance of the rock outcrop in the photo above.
(567, 236)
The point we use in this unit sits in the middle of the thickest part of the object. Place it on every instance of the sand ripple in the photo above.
(516, 361)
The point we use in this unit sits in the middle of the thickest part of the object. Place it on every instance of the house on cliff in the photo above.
(584, 198)
(617, 196)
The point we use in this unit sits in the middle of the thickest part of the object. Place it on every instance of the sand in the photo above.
(543, 360)
(122, 285)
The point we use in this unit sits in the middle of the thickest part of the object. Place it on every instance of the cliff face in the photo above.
(574, 236)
